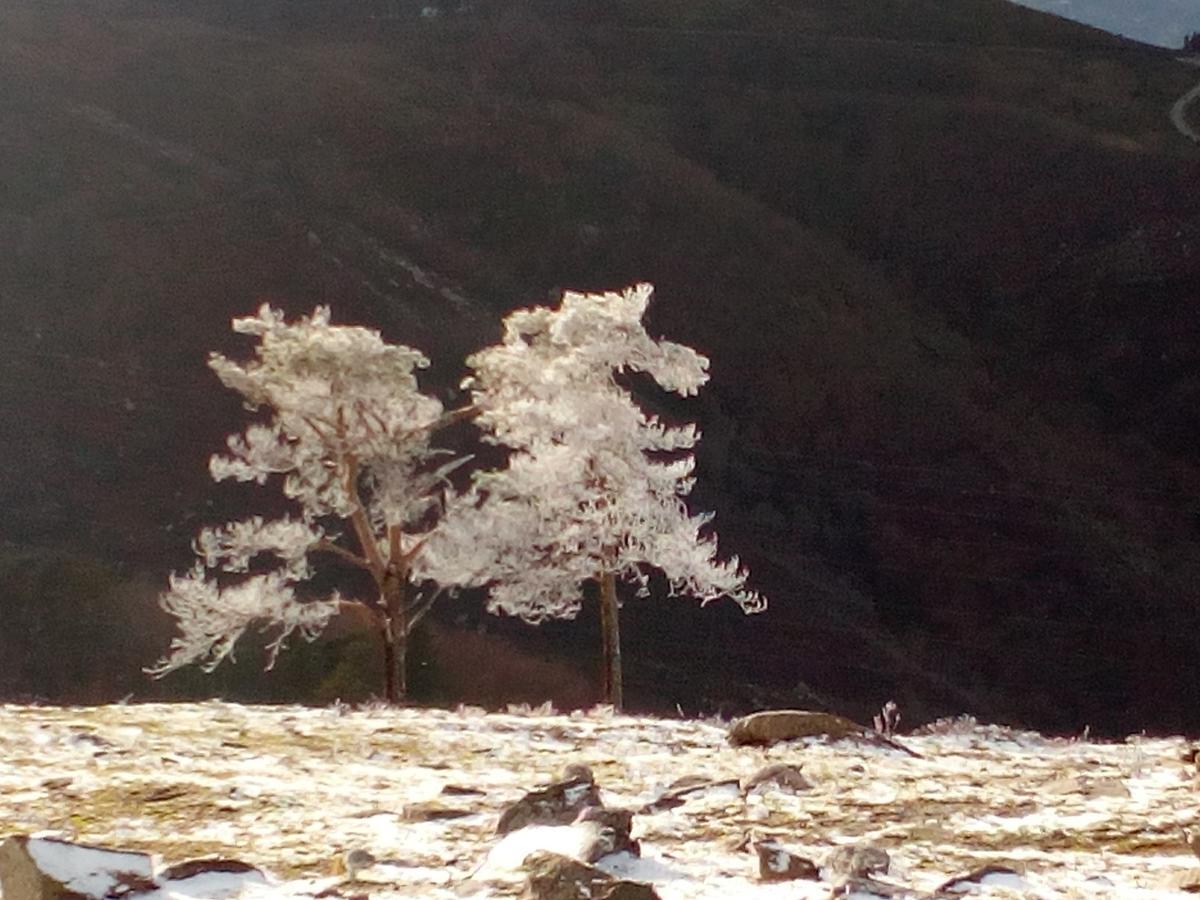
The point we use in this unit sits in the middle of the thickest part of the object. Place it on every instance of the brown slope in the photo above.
(904, 452)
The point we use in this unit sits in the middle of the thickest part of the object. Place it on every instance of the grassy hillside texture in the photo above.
(944, 258)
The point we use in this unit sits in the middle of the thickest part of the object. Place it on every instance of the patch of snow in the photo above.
(290, 790)
(87, 870)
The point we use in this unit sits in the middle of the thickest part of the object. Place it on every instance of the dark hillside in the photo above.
(944, 258)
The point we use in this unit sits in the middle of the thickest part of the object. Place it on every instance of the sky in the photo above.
(1162, 22)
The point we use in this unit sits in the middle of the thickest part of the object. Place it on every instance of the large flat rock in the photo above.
(772, 726)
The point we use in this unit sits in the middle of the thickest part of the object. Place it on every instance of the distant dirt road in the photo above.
(1179, 110)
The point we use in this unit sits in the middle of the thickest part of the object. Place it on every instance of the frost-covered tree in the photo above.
(348, 435)
(595, 487)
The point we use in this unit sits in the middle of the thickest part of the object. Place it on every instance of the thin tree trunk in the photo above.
(395, 639)
(391, 687)
(610, 632)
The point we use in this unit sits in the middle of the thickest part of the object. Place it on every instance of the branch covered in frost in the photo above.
(341, 400)
(593, 484)
(231, 547)
(212, 619)
(347, 431)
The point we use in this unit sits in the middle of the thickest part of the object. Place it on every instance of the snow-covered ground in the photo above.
(292, 789)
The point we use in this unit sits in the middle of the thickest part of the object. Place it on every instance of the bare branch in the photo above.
(417, 609)
(462, 414)
(327, 546)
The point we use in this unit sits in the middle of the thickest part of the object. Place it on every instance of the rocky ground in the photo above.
(293, 790)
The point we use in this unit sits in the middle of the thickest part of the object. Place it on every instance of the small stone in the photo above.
(1192, 839)
(610, 832)
(777, 864)
(354, 861)
(857, 861)
(556, 804)
(681, 788)
(685, 783)
(864, 886)
(193, 867)
(458, 790)
(1185, 880)
(162, 794)
(1105, 787)
(577, 772)
(780, 775)
(1063, 784)
(555, 877)
(986, 876)
(772, 726)
(432, 811)
(1086, 786)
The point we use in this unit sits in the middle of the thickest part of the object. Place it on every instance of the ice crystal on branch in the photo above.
(348, 432)
(595, 487)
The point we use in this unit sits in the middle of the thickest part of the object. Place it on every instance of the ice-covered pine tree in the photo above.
(594, 487)
(348, 435)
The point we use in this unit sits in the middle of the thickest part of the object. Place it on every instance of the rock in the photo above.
(1184, 880)
(986, 876)
(432, 811)
(1191, 837)
(1086, 786)
(856, 861)
(355, 860)
(577, 772)
(1105, 787)
(193, 867)
(611, 832)
(772, 726)
(554, 877)
(864, 886)
(780, 775)
(777, 864)
(34, 868)
(686, 783)
(557, 804)
(681, 788)
(458, 790)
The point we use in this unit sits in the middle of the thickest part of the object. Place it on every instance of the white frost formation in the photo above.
(349, 432)
(594, 485)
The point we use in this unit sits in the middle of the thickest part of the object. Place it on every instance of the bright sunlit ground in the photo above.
(291, 789)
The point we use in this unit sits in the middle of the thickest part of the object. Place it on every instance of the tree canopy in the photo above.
(594, 487)
(349, 432)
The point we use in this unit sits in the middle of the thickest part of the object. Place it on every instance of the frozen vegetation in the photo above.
(594, 487)
(292, 790)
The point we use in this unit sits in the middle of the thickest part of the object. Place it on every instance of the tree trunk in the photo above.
(395, 639)
(391, 687)
(610, 632)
